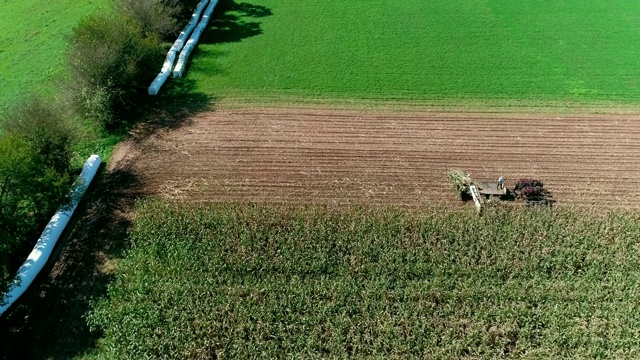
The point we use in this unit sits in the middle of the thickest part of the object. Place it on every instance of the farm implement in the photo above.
(530, 192)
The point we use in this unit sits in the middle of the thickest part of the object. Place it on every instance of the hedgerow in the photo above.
(249, 281)
(155, 17)
(35, 157)
(112, 58)
(112, 63)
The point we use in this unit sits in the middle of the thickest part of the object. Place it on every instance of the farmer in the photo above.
(500, 183)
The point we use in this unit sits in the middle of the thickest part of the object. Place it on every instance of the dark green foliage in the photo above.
(112, 63)
(29, 193)
(36, 151)
(155, 17)
(46, 128)
(234, 281)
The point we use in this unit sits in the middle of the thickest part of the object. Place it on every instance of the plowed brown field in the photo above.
(334, 156)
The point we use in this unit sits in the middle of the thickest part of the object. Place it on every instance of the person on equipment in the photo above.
(501, 183)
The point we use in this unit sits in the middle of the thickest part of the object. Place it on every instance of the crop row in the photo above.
(249, 281)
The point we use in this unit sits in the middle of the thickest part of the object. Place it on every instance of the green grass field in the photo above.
(238, 281)
(456, 51)
(33, 37)
(531, 51)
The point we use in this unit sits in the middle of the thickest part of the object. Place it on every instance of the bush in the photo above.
(30, 191)
(112, 63)
(36, 152)
(14, 166)
(155, 17)
(45, 129)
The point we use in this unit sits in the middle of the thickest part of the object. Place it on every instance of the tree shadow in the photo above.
(48, 321)
(208, 69)
(229, 22)
(173, 108)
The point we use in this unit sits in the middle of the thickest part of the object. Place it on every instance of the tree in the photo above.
(43, 126)
(35, 156)
(155, 17)
(112, 63)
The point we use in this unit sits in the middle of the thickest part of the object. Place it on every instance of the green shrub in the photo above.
(36, 149)
(46, 127)
(155, 17)
(112, 64)
(30, 191)
(238, 281)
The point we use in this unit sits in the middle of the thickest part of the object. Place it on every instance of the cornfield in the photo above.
(250, 281)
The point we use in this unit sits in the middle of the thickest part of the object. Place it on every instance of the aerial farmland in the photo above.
(495, 88)
(288, 197)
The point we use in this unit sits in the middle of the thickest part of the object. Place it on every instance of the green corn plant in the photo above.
(459, 181)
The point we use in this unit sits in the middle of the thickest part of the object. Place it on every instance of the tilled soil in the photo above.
(399, 158)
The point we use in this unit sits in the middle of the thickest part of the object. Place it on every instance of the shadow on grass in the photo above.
(231, 22)
(173, 108)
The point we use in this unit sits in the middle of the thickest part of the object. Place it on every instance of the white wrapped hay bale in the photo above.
(157, 83)
(191, 44)
(52, 232)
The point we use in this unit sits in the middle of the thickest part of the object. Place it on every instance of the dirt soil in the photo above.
(342, 157)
